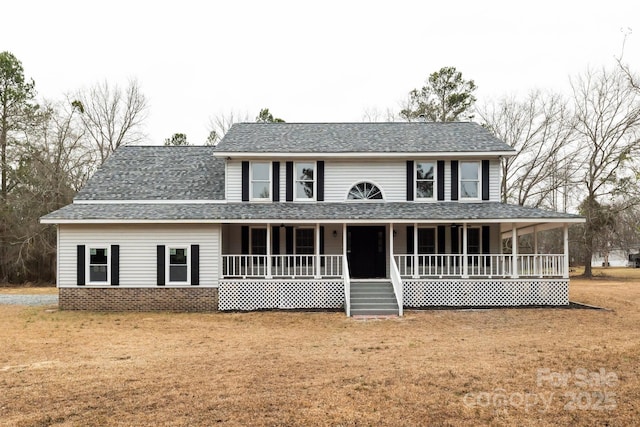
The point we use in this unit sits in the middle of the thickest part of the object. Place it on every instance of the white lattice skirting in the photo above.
(281, 294)
(481, 292)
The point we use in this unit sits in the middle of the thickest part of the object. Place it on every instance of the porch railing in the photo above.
(281, 266)
(396, 282)
(480, 265)
(347, 286)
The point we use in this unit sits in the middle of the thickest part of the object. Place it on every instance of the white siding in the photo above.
(138, 243)
(340, 176)
(389, 176)
(494, 180)
(234, 181)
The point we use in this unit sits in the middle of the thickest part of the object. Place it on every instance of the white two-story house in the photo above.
(366, 217)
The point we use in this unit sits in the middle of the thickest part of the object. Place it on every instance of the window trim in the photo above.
(88, 280)
(434, 180)
(478, 181)
(167, 264)
(268, 181)
(296, 180)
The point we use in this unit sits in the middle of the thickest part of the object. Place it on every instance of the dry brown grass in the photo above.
(275, 368)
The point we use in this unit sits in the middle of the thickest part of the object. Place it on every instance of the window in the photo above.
(364, 191)
(426, 240)
(425, 180)
(260, 181)
(305, 181)
(98, 265)
(469, 180)
(473, 240)
(178, 265)
(304, 241)
(258, 241)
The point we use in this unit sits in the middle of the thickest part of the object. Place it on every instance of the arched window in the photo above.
(365, 191)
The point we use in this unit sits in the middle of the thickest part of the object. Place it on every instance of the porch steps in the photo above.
(373, 299)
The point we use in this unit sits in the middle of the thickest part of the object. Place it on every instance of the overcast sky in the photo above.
(308, 61)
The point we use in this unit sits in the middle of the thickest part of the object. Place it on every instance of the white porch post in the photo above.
(465, 261)
(317, 255)
(390, 244)
(268, 260)
(514, 251)
(565, 273)
(537, 269)
(344, 242)
(416, 267)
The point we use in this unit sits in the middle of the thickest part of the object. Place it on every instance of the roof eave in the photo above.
(311, 220)
(360, 154)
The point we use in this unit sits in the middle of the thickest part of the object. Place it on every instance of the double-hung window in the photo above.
(469, 180)
(99, 265)
(425, 180)
(305, 181)
(178, 265)
(427, 240)
(304, 241)
(258, 241)
(260, 181)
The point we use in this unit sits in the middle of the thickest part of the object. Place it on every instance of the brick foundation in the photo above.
(138, 299)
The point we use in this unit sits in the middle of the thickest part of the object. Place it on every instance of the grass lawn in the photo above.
(433, 367)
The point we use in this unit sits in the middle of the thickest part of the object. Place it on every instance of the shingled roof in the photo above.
(309, 212)
(401, 137)
(157, 173)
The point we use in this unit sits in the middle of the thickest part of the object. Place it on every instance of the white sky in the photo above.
(307, 61)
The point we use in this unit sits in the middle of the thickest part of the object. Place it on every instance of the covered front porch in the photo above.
(467, 263)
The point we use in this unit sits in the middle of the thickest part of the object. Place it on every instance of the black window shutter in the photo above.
(485, 180)
(455, 247)
(410, 180)
(440, 179)
(115, 265)
(289, 240)
(275, 181)
(289, 172)
(80, 259)
(160, 265)
(454, 180)
(322, 245)
(244, 240)
(195, 265)
(441, 239)
(409, 239)
(275, 240)
(245, 181)
(320, 182)
(486, 239)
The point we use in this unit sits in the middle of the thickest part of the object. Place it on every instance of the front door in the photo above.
(366, 251)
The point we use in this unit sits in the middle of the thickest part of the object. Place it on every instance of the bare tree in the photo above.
(373, 114)
(112, 116)
(222, 122)
(540, 129)
(53, 160)
(607, 112)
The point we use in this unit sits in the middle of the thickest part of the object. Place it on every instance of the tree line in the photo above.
(573, 152)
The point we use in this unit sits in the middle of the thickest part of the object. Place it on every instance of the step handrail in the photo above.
(396, 281)
(347, 286)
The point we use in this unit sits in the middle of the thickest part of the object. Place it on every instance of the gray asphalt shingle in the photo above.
(157, 173)
(401, 137)
(445, 211)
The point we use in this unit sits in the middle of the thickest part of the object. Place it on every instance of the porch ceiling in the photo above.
(396, 212)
